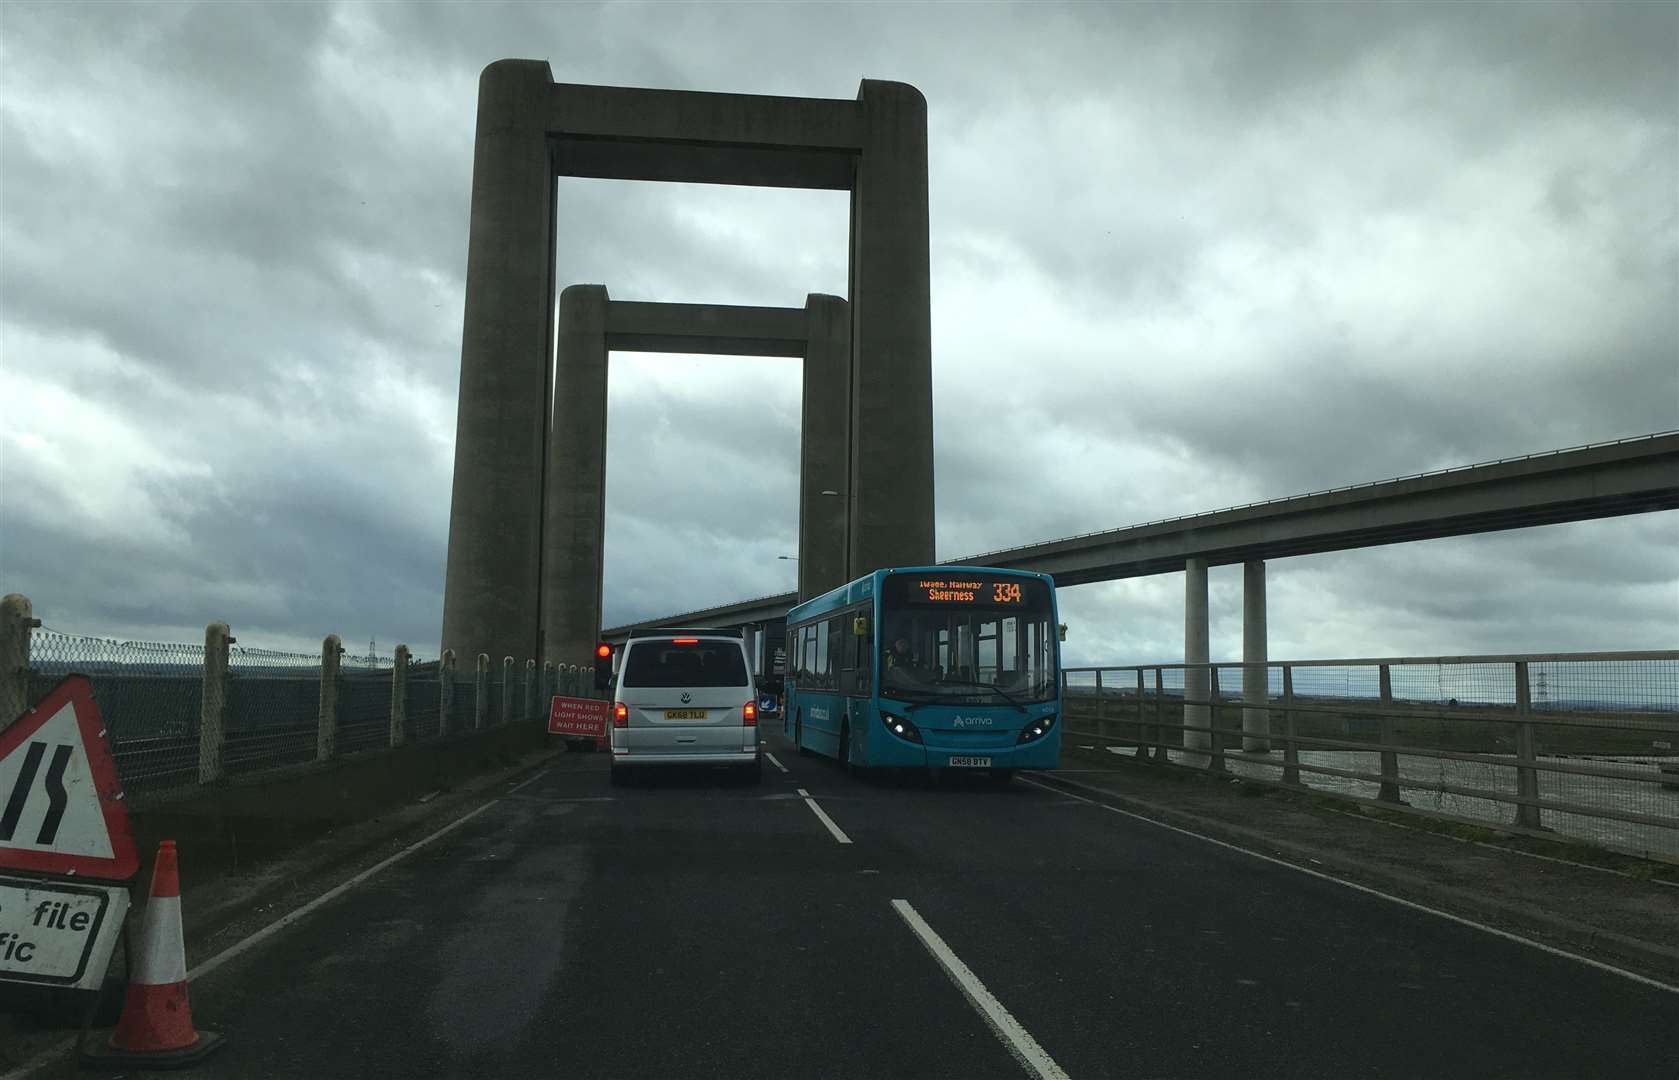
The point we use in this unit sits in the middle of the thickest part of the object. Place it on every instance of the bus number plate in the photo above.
(970, 763)
(684, 714)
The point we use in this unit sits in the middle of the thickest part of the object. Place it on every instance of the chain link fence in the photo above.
(1582, 746)
(149, 694)
(181, 715)
(273, 709)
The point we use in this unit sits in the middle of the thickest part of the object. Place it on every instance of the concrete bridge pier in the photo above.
(1256, 719)
(574, 529)
(1197, 682)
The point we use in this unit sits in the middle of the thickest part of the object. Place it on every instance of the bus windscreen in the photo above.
(967, 638)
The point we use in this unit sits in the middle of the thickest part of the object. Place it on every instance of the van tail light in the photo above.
(620, 715)
(749, 714)
(684, 641)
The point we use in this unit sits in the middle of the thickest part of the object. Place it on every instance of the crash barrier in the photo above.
(184, 715)
(1579, 746)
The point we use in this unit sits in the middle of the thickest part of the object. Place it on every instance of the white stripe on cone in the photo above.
(162, 959)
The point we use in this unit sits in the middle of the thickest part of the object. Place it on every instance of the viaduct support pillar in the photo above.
(825, 448)
(495, 520)
(892, 389)
(574, 528)
(1256, 718)
(1197, 681)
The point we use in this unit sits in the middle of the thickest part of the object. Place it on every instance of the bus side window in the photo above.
(862, 651)
(839, 656)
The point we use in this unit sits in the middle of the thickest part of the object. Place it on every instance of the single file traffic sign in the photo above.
(53, 933)
(61, 808)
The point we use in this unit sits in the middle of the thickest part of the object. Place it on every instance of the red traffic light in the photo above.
(603, 650)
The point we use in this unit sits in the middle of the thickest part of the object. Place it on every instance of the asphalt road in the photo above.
(694, 927)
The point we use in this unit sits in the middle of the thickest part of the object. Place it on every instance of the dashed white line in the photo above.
(1413, 905)
(774, 762)
(824, 818)
(1006, 1027)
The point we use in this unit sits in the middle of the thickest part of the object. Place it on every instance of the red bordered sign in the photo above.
(578, 716)
(61, 808)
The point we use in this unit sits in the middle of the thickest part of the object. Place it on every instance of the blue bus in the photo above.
(935, 667)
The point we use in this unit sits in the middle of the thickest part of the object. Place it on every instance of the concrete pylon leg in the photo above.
(1256, 720)
(892, 381)
(825, 447)
(574, 526)
(1197, 682)
(491, 590)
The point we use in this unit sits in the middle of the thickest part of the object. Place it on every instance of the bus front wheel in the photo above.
(799, 734)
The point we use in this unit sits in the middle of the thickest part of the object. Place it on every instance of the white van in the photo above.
(685, 697)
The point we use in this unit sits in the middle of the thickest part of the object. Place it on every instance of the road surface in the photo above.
(695, 927)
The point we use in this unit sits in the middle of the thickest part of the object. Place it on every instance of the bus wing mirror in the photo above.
(860, 626)
(1061, 631)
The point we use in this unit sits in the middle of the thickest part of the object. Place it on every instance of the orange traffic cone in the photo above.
(155, 1030)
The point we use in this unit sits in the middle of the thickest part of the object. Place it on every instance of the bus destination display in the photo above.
(964, 591)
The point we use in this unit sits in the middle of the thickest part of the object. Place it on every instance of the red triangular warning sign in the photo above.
(61, 808)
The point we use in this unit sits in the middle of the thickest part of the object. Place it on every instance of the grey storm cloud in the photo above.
(1184, 257)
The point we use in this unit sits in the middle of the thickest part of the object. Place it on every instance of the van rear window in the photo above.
(708, 663)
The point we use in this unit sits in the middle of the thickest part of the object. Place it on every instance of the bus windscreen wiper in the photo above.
(999, 691)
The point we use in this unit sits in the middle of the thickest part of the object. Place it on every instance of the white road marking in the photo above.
(520, 786)
(1413, 905)
(774, 762)
(825, 819)
(284, 921)
(58, 1050)
(1007, 1028)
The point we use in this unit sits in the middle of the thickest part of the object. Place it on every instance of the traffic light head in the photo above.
(603, 666)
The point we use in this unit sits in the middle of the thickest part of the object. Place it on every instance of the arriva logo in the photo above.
(819, 714)
(972, 721)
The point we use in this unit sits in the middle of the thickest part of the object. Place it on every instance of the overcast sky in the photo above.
(1183, 257)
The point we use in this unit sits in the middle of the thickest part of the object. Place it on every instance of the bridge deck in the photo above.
(692, 928)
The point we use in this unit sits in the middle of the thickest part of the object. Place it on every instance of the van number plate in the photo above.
(684, 714)
(970, 762)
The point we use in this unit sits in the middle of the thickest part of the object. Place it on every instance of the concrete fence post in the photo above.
(1527, 777)
(1215, 763)
(1385, 728)
(399, 696)
(482, 711)
(1291, 749)
(1144, 735)
(17, 620)
(506, 691)
(549, 686)
(326, 736)
(530, 690)
(445, 690)
(212, 709)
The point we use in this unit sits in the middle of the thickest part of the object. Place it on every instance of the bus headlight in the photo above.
(901, 727)
(1037, 729)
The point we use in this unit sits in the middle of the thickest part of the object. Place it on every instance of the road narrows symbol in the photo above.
(20, 790)
(59, 798)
